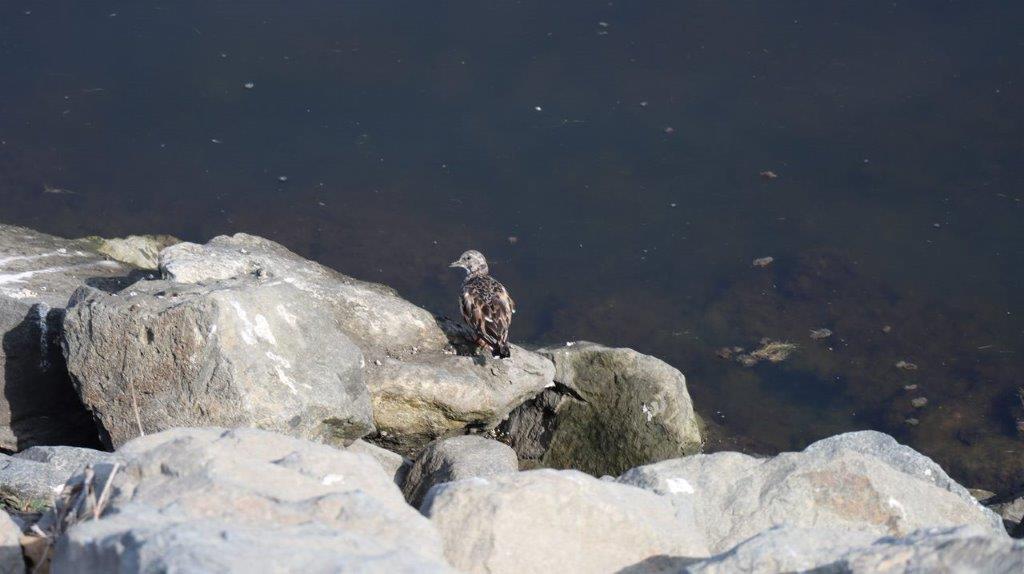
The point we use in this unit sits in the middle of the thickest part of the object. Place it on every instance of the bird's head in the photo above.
(473, 262)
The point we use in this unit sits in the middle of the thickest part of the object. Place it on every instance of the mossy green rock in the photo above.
(612, 410)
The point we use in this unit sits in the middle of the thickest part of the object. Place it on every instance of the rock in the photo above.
(963, 549)
(782, 549)
(215, 500)
(862, 481)
(420, 389)
(457, 458)
(374, 315)
(556, 521)
(11, 561)
(435, 395)
(1011, 511)
(142, 251)
(29, 480)
(396, 465)
(826, 551)
(980, 494)
(38, 273)
(612, 409)
(233, 353)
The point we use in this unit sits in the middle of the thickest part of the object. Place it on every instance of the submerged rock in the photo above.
(862, 481)
(556, 521)
(237, 352)
(457, 458)
(612, 409)
(215, 500)
(38, 273)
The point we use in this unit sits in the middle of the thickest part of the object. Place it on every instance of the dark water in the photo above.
(606, 156)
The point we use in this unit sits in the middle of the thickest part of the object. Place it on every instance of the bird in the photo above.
(485, 303)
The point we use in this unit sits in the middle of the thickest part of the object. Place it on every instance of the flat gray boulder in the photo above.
(31, 479)
(556, 521)
(861, 481)
(611, 410)
(38, 273)
(241, 352)
(418, 399)
(372, 314)
(215, 500)
(457, 458)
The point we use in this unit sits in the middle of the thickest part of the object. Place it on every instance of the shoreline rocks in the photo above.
(38, 273)
(610, 410)
(235, 353)
(241, 332)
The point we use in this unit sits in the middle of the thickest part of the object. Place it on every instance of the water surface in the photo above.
(606, 156)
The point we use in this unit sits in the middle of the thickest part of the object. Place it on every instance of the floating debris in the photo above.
(819, 334)
(919, 402)
(216, 141)
(886, 329)
(512, 239)
(728, 352)
(913, 422)
(909, 387)
(282, 178)
(249, 85)
(771, 351)
(57, 190)
(905, 365)
(768, 174)
(538, 108)
(763, 261)
(670, 130)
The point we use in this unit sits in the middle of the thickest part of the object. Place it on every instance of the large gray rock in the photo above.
(214, 500)
(963, 550)
(862, 481)
(30, 479)
(829, 551)
(396, 465)
(612, 410)
(11, 560)
(421, 389)
(420, 398)
(374, 315)
(556, 521)
(38, 273)
(457, 458)
(240, 352)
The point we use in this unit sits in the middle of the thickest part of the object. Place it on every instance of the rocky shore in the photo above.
(170, 406)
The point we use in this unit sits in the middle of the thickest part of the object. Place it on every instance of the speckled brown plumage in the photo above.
(486, 305)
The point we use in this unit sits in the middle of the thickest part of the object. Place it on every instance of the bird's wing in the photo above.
(488, 309)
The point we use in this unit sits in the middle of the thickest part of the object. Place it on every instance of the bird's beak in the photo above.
(456, 264)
